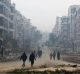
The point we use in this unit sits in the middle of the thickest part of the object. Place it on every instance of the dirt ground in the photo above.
(7, 66)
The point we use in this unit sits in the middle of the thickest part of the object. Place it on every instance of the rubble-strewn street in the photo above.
(42, 62)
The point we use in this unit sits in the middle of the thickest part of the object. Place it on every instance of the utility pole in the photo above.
(23, 40)
(2, 48)
(73, 45)
(72, 42)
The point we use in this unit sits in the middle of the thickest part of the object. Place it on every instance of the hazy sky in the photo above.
(43, 12)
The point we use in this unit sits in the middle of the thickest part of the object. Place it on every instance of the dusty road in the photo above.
(45, 60)
(7, 66)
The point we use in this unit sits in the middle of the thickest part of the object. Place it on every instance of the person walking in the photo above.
(32, 58)
(54, 55)
(35, 53)
(23, 58)
(51, 56)
(39, 53)
(58, 55)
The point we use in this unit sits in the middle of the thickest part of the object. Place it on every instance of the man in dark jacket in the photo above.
(51, 56)
(54, 55)
(58, 55)
(32, 58)
(23, 58)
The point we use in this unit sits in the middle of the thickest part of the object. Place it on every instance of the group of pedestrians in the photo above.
(54, 55)
(31, 58)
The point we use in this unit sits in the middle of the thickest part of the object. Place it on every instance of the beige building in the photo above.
(64, 28)
(74, 17)
(68, 27)
(6, 19)
(57, 28)
(62, 31)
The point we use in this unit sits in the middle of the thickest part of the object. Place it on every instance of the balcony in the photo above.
(6, 2)
(2, 28)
